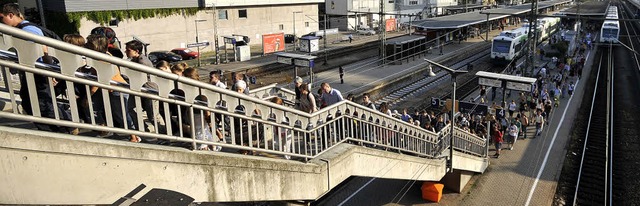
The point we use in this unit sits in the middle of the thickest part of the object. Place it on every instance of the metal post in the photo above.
(488, 28)
(311, 77)
(295, 36)
(197, 41)
(215, 33)
(410, 21)
(488, 136)
(324, 37)
(382, 28)
(533, 26)
(504, 95)
(453, 120)
(454, 73)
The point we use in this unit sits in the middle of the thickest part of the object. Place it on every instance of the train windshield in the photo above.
(610, 33)
(501, 46)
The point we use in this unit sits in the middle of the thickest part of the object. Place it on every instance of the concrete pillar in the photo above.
(457, 180)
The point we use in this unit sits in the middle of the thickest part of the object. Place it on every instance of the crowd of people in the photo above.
(554, 82)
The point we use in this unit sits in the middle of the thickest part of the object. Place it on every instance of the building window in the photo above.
(413, 2)
(281, 27)
(222, 14)
(391, 1)
(242, 13)
(306, 24)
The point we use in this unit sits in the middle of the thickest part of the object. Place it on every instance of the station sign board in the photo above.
(199, 44)
(229, 40)
(472, 108)
(519, 86)
(489, 82)
(436, 102)
(303, 63)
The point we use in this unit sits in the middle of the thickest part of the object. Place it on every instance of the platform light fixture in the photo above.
(454, 73)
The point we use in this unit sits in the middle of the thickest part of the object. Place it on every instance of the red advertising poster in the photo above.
(390, 24)
(272, 43)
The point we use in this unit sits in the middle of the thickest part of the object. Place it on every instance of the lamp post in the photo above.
(197, 39)
(295, 36)
(454, 73)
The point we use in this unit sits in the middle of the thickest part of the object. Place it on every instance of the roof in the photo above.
(505, 77)
(591, 8)
(295, 56)
(404, 39)
(471, 6)
(471, 18)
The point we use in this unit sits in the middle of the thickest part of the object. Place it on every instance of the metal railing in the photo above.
(184, 110)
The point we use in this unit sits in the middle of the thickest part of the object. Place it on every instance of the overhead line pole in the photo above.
(382, 28)
(533, 26)
(215, 32)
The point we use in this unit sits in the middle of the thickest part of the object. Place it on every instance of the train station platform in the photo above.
(478, 17)
(259, 61)
(366, 76)
(528, 174)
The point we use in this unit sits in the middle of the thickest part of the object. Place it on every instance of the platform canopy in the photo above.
(472, 18)
(510, 81)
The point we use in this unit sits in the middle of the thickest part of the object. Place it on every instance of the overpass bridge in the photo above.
(40, 167)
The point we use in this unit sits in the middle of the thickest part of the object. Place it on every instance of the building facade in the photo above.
(250, 18)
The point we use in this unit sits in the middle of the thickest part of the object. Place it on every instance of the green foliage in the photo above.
(60, 22)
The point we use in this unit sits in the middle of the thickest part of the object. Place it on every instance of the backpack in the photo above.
(45, 31)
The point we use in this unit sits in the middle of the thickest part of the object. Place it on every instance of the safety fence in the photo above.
(80, 88)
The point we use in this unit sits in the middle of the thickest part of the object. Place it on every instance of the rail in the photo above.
(178, 108)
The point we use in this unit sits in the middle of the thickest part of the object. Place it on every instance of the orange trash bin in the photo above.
(432, 191)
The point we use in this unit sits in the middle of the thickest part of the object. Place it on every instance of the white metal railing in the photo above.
(176, 110)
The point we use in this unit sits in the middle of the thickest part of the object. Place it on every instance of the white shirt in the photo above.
(513, 130)
(221, 85)
(512, 106)
(539, 119)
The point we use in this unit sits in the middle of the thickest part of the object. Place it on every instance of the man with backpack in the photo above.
(366, 101)
(12, 16)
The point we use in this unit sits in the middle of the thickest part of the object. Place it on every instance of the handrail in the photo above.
(247, 123)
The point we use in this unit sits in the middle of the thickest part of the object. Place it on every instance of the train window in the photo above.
(242, 13)
(222, 14)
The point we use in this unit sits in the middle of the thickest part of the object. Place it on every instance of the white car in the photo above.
(366, 32)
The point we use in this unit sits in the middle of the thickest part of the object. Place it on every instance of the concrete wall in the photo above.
(101, 5)
(177, 30)
(344, 7)
(257, 2)
(44, 168)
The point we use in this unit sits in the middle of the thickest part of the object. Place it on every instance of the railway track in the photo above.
(273, 73)
(594, 175)
(432, 86)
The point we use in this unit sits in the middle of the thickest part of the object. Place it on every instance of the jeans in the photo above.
(45, 104)
(117, 108)
(147, 106)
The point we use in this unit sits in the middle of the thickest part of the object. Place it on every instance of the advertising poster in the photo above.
(272, 43)
(390, 24)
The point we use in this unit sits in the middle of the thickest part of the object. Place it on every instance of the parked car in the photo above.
(311, 34)
(366, 32)
(156, 56)
(289, 38)
(186, 53)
